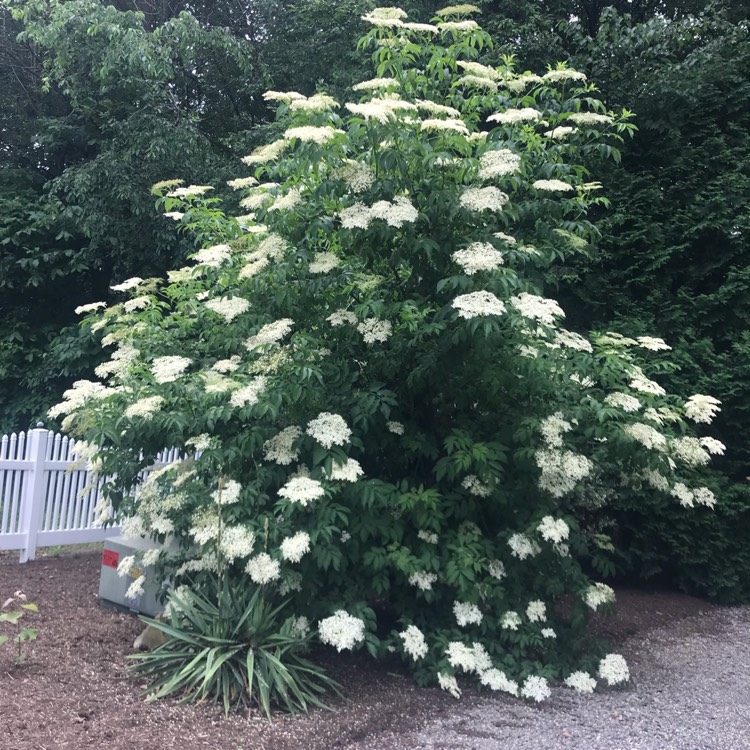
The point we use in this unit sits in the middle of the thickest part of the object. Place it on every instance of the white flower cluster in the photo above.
(228, 307)
(263, 568)
(342, 317)
(266, 153)
(552, 429)
(477, 69)
(623, 401)
(428, 536)
(582, 682)
(555, 76)
(282, 96)
(474, 659)
(483, 199)
(520, 83)
(329, 429)
(476, 304)
(74, 398)
(613, 669)
(395, 214)
(342, 630)
(314, 103)
(302, 490)
(496, 679)
(553, 530)
(688, 497)
(522, 547)
(690, 451)
(135, 590)
(226, 365)
(510, 620)
(475, 486)
(204, 526)
(270, 333)
(127, 285)
(213, 256)
(293, 548)
(256, 200)
(426, 27)
(286, 202)
(561, 470)
(647, 436)
(414, 642)
(137, 303)
(381, 109)
(572, 340)
(228, 493)
(644, 385)
(183, 192)
(324, 263)
(395, 427)
(653, 343)
(375, 331)
(496, 569)
(312, 134)
(81, 309)
(423, 581)
(168, 369)
(436, 124)
(467, 614)
(437, 109)
(553, 186)
(513, 116)
(236, 542)
(702, 408)
(377, 83)
(499, 163)
(560, 133)
(458, 26)
(280, 448)
(536, 611)
(590, 118)
(249, 394)
(479, 82)
(479, 256)
(350, 471)
(144, 408)
(448, 683)
(358, 176)
(301, 626)
(599, 594)
(242, 182)
(713, 446)
(535, 689)
(537, 308)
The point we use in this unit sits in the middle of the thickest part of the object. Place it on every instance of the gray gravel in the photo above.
(690, 691)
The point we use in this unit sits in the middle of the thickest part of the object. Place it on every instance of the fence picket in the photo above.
(45, 498)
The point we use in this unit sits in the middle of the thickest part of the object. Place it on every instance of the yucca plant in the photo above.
(232, 648)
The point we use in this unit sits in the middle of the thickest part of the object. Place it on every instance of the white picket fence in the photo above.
(44, 501)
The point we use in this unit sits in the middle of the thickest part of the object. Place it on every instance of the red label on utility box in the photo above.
(110, 558)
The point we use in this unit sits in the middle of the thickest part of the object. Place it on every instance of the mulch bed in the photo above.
(73, 691)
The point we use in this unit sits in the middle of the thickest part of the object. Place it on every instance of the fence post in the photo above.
(34, 490)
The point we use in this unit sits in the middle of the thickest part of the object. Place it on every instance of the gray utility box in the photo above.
(113, 587)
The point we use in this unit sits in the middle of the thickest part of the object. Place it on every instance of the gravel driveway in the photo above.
(691, 691)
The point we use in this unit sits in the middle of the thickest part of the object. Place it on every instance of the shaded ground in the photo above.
(73, 692)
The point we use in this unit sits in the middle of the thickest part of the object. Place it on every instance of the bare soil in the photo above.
(74, 692)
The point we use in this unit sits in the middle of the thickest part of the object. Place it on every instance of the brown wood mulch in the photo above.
(73, 692)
